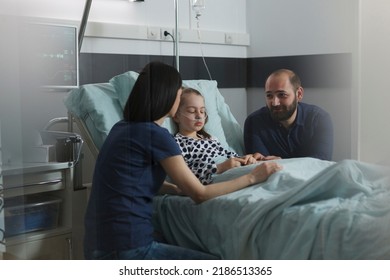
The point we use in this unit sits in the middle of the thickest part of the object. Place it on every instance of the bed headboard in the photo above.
(97, 107)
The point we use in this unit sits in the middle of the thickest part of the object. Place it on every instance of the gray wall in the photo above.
(281, 28)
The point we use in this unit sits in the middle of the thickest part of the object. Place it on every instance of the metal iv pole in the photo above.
(177, 34)
(82, 28)
(84, 21)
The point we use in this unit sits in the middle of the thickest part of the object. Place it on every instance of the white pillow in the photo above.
(97, 106)
(123, 84)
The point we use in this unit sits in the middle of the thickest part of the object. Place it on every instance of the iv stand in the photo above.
(177, 34)
(82, 28)
(84, 21)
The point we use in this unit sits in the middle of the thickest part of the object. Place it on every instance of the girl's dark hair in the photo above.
(153, 94)
(187, 91)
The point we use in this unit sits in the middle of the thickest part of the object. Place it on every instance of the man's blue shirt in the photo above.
(311, 135)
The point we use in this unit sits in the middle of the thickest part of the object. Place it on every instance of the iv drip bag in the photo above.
(198, 6)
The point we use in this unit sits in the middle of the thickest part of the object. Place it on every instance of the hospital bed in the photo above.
(312, 209)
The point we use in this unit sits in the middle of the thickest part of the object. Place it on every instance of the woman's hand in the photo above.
(263, 171)
(178, 171)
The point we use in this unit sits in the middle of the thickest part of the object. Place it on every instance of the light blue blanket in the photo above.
(312, 209)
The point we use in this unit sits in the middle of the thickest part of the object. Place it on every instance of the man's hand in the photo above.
(261, 157)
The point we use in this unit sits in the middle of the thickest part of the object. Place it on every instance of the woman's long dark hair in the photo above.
(153, 94)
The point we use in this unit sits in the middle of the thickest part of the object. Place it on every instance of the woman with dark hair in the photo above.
(131, 168)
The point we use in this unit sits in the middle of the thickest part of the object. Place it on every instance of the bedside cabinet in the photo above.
(42, 211)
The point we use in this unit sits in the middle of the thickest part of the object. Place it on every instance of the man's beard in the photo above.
(285, 113)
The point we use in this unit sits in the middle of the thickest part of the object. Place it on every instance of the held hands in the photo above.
(248, 159)
(244, 160)
(235, 162)
(260, 157)
(228, 164)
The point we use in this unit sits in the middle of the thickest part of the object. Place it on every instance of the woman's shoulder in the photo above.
(141, 129)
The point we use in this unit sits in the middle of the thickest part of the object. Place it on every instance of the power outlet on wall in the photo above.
(167, 37)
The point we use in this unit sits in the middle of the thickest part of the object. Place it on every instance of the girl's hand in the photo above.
(235, 162)
(228, 164)
(248, 159)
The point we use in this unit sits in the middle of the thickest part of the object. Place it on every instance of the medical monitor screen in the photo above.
(54, 53)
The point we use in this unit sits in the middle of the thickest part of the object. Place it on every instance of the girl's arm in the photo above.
(183, 177)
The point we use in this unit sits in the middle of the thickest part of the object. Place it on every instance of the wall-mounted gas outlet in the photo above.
(228, 38)
(153, 33)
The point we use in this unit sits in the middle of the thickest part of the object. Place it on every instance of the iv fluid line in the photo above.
(201, 48)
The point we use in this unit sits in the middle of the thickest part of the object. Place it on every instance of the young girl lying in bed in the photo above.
(199, 148)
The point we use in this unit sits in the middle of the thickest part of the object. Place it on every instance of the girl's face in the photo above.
(191, 115)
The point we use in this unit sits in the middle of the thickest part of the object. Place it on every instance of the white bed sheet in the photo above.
(312, 209)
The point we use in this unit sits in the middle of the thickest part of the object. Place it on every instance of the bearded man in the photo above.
(286, 127)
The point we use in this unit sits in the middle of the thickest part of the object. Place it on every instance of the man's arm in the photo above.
(252, 140)
(322, 144)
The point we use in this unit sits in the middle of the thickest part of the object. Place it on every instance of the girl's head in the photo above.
(191, 115)
(155, 93)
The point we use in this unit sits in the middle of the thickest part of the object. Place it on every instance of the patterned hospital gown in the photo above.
(200, 155)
